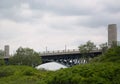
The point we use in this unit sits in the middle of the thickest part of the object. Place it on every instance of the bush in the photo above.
(6, 71)
(99, 73)
(21, 75)
(2, 62)
(111, 55)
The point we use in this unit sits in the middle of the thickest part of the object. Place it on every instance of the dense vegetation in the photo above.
(25, 56)
(21, 75)
(1, 53)
(112, 55)
(104, 69)
(106, 73)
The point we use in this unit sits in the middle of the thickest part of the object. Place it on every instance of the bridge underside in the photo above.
(70, 59)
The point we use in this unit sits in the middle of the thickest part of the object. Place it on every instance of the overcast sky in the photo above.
(56, 23)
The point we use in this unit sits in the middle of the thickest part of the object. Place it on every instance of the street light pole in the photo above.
(46, 49)
(65, 48)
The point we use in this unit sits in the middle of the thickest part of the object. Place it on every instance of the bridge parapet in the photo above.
(74, 51)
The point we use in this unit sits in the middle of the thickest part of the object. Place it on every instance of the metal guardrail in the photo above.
(74, 51)
(59, 52)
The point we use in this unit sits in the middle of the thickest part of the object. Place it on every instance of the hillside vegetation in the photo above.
(104, 69)
(105, 73)
(111, 55)
(21, 75)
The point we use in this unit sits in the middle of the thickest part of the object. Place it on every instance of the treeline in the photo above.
(23, 56)
(97, 73)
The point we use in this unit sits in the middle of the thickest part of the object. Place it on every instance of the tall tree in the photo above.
(1, 53)
(103, 47)
(86, 48)
(2, 62)
(26, 56)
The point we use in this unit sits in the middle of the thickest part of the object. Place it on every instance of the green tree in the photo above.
(25, 56)
(1, 53)
(86, 48)
(114, 44)
(103, 47)
(111, 55)
(2, 62)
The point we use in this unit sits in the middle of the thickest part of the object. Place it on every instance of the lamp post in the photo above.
(65, 48)
(46, 49)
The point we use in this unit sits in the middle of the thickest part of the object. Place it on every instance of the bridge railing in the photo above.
(58, 52)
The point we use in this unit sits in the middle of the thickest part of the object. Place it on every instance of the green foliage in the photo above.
(25, 56)
(5, 71)
(1, 53)
(86, 48)
(88, 74)
(103, 47)
(111, 55)
(95, 73)
(2, 62)
(114, 44)
(21, 75)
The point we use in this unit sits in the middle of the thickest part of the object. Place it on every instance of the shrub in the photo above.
(99, 73)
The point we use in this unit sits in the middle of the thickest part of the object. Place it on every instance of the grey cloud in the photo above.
(12, 14)
(112, 6)
(62, 7)
(9, 34)
(5, 4)
(37, 4)
(71, 11)
(63, 26)
(43, 5)
(113, 9)
(98, 21)
(66, 9)
(11, 10)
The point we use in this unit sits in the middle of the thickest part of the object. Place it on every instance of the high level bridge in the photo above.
(69, 58)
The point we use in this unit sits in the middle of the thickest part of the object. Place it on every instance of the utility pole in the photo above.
(65, 48)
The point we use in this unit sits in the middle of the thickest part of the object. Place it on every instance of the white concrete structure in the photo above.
(52, 66)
